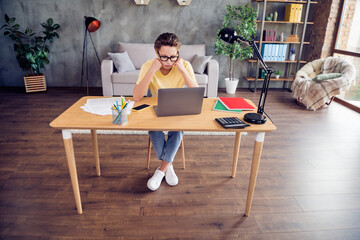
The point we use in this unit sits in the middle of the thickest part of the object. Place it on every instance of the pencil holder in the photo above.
(119, 118)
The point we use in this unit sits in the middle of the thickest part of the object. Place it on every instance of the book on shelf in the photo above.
(236, 103)
(274, 52)
(289, 12)
(293, 12)
(269, 35)
(220, 107)
(298, 11)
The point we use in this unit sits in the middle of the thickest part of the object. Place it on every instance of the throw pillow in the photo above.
(122, 62)
(199, 63)
(326, 76)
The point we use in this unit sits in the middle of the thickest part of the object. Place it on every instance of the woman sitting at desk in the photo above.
(168, 70)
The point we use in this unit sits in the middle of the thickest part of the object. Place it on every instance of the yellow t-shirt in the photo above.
(173, 79)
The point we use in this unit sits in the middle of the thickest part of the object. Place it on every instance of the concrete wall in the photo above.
(121, 20)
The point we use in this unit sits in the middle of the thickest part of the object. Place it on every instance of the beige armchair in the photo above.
(316, 94)
(123, 83)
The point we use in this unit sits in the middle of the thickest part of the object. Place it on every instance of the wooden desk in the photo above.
(75, 118)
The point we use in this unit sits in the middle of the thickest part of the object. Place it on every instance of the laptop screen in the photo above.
(180, 101)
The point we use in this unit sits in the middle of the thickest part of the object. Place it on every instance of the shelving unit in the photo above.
(289, 77)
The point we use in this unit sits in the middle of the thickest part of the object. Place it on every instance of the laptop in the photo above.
(179, 101)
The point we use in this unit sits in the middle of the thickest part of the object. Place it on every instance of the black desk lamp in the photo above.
(229, 35)
(91, 25)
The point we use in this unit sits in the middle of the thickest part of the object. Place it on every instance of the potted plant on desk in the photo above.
(31, 50)
(242, 20)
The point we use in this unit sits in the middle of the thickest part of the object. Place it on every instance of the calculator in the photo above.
(231, 122)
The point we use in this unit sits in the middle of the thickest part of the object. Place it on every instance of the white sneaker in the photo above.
(170, 176)
(155, 181)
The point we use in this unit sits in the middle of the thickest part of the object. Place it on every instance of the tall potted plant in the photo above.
(242, 20)
(32, 50)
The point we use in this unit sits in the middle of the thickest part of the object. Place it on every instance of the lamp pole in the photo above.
(91, 25)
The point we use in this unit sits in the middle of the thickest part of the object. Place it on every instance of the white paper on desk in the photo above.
(102, 106)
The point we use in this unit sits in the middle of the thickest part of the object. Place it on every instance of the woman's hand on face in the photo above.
(156, 65)
(180, 64)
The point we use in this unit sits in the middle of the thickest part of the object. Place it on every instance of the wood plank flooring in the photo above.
(308, 185)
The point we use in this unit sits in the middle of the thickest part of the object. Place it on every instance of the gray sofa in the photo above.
(123, 83)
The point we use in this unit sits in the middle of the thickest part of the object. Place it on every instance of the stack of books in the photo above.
(232, 104)
(274, 52)
(293, 12)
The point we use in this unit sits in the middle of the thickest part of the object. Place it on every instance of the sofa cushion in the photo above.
(201, 79)
(199, 63)
(139, 53)
(132, 77)
(188, 52)
(122, 62)
(326, 76)
(125, 77)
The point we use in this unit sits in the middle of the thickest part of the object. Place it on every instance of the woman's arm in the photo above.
(190, 82)
(142, 87)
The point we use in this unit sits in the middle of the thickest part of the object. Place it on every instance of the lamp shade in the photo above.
(227, 35)
(92, 24)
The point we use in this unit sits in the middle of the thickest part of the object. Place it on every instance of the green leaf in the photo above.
(50, 21)
(6, 18)
(38, 54)
(11, 20)
(56, 34)
(34, 67)
(56, 26)
(32, 59)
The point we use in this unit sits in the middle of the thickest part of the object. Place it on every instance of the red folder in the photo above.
(236, 103)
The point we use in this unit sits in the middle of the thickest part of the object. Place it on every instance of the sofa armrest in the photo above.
(213, 74)
(107, 69)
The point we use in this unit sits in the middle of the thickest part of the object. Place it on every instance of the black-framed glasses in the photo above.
(165, 58)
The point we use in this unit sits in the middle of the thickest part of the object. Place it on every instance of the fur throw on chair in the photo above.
(315, 94)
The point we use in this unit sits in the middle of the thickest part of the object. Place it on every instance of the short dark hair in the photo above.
(167, 39)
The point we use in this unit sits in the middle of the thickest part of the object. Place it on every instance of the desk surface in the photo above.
(76, 118)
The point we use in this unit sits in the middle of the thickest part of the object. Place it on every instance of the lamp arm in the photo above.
(268, 73)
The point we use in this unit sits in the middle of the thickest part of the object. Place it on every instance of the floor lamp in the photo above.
(91, 25)
(229, 35)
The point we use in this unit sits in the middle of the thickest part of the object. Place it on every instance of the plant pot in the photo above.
(277, 76)
(231, 85)
(292, 57)
(35, 83)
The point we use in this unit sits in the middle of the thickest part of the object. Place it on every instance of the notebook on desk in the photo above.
(179, 101)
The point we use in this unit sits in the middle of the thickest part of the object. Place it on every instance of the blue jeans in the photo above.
(166, 149)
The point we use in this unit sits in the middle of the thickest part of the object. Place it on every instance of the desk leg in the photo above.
(69, 150)
(96, 152)
(259, 140)
(236, 153)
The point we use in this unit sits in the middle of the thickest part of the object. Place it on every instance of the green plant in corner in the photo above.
(32, 50)
(242, 20)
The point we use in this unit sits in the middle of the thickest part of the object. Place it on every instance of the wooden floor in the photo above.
(308, 185)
